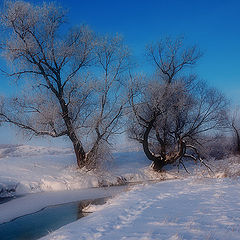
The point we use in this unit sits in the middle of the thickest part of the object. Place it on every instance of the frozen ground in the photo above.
(28, 169)
(178, 209)
(202, 205)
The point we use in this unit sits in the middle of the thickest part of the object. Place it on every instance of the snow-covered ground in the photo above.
(178, 209)
(201, 205)
(28, 169)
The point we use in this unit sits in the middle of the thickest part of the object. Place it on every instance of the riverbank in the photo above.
(32, 169)
(49, 177)
(35, 202)
(194, 208)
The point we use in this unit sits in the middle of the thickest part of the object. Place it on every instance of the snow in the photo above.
(28, 174)
(174, 210)
(8, 150)
(28, 169)
(200, 205)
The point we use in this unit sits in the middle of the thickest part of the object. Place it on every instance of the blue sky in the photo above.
(213, 25)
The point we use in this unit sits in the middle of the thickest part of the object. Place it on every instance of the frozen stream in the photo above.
(36, 225)
(35, 215)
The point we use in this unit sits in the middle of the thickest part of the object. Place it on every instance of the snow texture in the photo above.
(200, 205)
(174, 210)
(29, 169)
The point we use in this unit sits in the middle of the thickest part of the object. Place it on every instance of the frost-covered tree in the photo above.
(58, 84)
(172, 110)
(110, 95)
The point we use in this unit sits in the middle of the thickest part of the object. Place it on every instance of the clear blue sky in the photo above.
(213, 25)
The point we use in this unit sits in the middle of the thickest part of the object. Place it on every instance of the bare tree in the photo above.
(110, 94)
(171, 57)
(172, 111)
(59, 91)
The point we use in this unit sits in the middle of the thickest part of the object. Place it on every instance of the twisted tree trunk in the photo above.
(237, 138)
(158, 161)
(163, 159)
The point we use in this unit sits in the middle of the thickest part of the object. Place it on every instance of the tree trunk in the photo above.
(237, 139)
(158, 162)
(80, 154)
(158, 165)
(164, 159)
(145, 143)
(77, 145)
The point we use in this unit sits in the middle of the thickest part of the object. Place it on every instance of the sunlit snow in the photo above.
(200, 205)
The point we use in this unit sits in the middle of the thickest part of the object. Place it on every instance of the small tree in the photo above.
(172, 111)
(59, 93)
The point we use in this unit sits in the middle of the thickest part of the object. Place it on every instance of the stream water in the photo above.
(39, 224)
(5, 199)
(36, 225)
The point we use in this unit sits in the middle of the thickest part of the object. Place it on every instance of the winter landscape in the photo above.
(168, 205)
(100, 139)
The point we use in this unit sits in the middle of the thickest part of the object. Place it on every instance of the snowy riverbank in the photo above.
(28, 169)
(200, 205)
(35, 202)
(179, 209)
